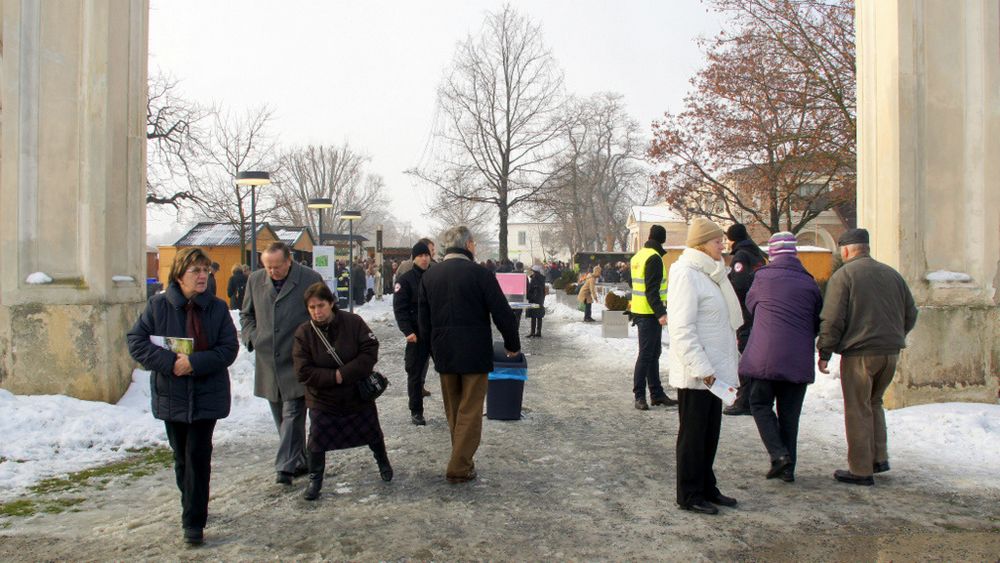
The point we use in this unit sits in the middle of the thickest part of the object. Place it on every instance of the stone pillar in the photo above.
(929, 184)
(72, 193)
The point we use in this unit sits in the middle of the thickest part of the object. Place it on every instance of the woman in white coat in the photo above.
(703, 314)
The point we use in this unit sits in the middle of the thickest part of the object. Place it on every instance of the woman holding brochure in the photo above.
(186, 338)
(703, 313)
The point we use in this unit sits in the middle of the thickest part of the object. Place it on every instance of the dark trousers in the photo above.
(415, 361)
(780, 431)
(647, 364)
(192, 445)
(697, 441)
(290, 418)
(586, 310)
(536, 326)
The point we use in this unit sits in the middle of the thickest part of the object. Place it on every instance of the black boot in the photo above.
(382, 459)
(538, 331)
(317, 466)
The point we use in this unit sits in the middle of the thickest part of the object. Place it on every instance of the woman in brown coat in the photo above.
(588, 291)
(339, 418)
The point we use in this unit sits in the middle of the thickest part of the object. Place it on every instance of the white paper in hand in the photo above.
(723, 391)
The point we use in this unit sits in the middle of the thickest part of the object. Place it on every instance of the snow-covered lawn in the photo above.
(957, 444)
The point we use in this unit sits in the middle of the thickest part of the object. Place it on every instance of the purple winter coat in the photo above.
(785, 303)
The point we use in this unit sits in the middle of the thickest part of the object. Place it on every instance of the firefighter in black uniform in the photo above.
(747, 258)
(417, 355)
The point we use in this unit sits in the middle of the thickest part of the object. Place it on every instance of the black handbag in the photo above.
(371, 387)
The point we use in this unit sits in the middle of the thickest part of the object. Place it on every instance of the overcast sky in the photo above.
(367, 71)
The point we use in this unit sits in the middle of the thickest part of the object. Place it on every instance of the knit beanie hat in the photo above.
(418, 249)
(737, 232)
(658, 233)
(781, 244)
(701, 231)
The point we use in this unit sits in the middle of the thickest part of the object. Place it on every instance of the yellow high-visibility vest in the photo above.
(640, 305)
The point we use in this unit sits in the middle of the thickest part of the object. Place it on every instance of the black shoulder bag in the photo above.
(370, 387)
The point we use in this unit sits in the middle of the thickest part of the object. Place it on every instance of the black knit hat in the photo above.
(737, 232)
(658, 233)
(853, 236)
(418, 249)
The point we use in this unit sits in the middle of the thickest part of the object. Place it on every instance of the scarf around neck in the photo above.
(716, 271)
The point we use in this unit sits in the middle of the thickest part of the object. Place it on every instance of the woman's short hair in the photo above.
(185, 259)
(319, 290)
(237, 268)
(457, 237)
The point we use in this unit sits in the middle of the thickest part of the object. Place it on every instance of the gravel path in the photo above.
(582, 476)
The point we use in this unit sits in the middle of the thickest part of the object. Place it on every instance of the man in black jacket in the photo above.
(456, 299)
(404, 305)
(747, 258)
(649, 314)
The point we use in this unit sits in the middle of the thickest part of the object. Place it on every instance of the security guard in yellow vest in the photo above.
(649, 314)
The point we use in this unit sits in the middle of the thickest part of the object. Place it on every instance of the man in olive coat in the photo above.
(273, 308)
(867, 312)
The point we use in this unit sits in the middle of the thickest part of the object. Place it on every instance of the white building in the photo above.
(531, 243)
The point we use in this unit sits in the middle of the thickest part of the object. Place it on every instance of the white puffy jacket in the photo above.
(702, 340)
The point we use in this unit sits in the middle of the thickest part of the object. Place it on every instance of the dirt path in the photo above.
(582, 476)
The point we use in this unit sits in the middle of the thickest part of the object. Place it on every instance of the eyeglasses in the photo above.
(198, 271)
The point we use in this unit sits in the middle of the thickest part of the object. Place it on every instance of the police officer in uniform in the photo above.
(417, 354)
(649, 314)
(747, 259)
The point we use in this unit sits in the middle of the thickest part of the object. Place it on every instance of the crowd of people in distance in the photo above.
(752, 325)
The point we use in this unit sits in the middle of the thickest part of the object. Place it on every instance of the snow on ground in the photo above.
(47, 435)
(957, 442)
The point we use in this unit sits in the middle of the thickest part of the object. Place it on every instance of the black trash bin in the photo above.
(505, 385)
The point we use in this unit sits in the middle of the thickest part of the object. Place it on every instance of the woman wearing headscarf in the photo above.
(339, 418)
(588, 291)
(189, 383)
(703, 313)
(536, 295)
(784, 303)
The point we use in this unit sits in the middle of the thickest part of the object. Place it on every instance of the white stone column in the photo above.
(72, 193)
(929, 183)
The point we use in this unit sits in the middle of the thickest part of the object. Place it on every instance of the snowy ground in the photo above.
(582, 476)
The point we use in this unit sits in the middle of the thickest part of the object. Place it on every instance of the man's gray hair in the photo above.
(859, 249)
(457, 237)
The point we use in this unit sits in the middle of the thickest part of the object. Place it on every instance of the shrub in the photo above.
(615, 302)
(572, 289)
(567, 277)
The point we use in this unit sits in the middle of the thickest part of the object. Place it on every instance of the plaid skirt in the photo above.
(341, 431)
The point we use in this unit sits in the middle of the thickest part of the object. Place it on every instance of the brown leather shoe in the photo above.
(464, 478)
(425, 392)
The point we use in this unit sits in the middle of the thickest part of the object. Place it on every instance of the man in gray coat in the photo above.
(273, 308)
(867, 312)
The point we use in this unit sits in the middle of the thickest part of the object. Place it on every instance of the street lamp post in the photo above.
(350, 216)
(253, 178)
(320, 203)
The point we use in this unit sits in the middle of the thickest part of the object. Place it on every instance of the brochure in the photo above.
(723, 391)
(175, 344)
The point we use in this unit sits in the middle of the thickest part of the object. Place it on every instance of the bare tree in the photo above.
(338, 173)
(499, 106)
(238, 142)
(175, 142)
(447, 211)
(599, 176)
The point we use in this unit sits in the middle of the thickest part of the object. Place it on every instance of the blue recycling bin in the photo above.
(505, 385)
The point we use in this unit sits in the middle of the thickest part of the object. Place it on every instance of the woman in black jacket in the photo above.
(186, 338)
(339, 418)
(536, 295)
(237, 287)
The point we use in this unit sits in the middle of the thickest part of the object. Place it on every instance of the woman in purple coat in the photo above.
(784, 302)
